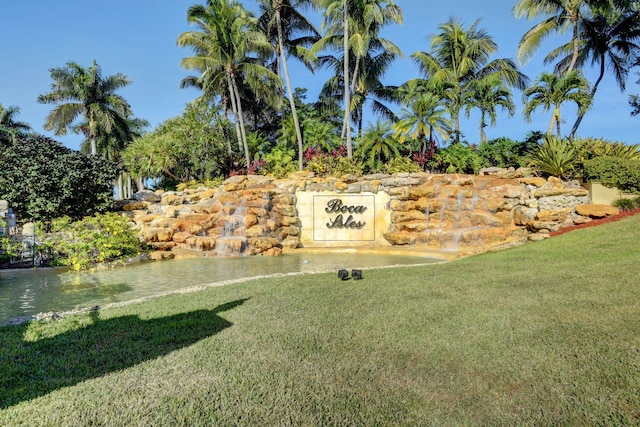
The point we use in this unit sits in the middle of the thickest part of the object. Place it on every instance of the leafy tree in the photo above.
(191, 146)
(83, 92)
(458, 157)
(503, 153)
(550, 91)
(460, 56)
(44, 180)
(10, 128)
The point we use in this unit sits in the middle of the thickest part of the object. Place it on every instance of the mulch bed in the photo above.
(596, 222)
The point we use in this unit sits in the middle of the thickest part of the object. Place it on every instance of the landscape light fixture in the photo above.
(343, 274)
(356, 274)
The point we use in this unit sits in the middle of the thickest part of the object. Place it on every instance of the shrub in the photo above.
(100, 238)
(280, 162)
(458, 158)
(627, 204)
(401, 164)
(614, 172)
(502, 153)
(557, 157)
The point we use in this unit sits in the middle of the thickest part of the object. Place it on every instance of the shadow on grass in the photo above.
(32, 369)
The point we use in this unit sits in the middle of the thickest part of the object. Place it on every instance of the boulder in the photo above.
(596, 211)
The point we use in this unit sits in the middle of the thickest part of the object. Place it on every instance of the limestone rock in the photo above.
(557, 215)
(596, 211)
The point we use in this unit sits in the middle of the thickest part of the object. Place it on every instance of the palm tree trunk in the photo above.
(236, 93)
(292, 103)
(347, 97)
(234, 108)
(574, 129)
(575, 39)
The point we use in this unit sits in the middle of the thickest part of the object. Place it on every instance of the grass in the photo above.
(543, 334)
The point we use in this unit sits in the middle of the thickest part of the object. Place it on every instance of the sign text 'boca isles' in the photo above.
(335, 206)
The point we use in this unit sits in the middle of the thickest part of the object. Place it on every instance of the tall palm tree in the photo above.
(288, 23)
(608, 40)
(10, 128)
(83, 92)
(486, 95)
(461, 56)
(550, 91)
(228, 48)
(355, 23)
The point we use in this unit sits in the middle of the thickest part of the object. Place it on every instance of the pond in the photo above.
(29, 292)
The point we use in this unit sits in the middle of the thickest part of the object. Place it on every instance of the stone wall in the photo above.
(251, 215)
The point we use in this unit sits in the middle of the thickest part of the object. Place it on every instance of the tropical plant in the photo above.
(626, 204)
(486, 95)
(45, 180)
(502, 153)
(229, 49)
(595, 147)
(191, 146)
(461, 56)
(10, 128)
(609, 40)
(550, 91)
(401, 164)
(377, 145)
(423, 118)
(97, 239)
(279, 162)
(84, 92)
(458, 157)
(320, 134)
(557, 157)
(287, 20)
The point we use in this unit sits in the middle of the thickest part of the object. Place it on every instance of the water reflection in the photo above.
(26, 293)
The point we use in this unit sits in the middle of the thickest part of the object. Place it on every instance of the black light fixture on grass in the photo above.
(343, 274)
(356, 274)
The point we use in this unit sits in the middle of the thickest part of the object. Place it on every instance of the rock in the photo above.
(146, 196)
(400, 238)
(557, 215)
(172, 200)
(160, 255)
(535, 181)
(596, 211)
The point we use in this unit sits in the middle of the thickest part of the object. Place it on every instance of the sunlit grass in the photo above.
(543, 334)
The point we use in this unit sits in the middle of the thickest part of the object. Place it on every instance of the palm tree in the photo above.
(609, 40)
(228, 50)
(459, 57)
(10, 129)
(558, 15)
(377, 144)
(284, 16)
(550, 91)
(83, 92)
(355, 23)
(423, 118)
(486, 95)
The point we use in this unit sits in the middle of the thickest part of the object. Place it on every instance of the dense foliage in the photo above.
(96, 239)
(614, 171)
(44, 180)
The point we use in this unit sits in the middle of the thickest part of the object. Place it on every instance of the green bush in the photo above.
(347, 166)
(502, 153)
(100, 238)
(627, 204)
(280, 162)
(458, 158)
(401, 164)
(614, 172)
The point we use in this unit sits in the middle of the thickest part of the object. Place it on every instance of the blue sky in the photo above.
(138, 38)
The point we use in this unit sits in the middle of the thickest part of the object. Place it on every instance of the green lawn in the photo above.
(543, 334)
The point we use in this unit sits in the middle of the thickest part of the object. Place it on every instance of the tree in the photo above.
(486, 95)
(229, 49)
(10, 128)
(423, 118)
(461, 56)
(550, 91)
(81, 92)
(45, 180)
(377, 144)
(191, 146)
(355, 23)
(285, 27)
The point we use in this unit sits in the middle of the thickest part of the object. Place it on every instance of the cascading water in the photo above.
(232, 241)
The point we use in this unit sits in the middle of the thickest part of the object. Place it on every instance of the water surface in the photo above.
(29, 292)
